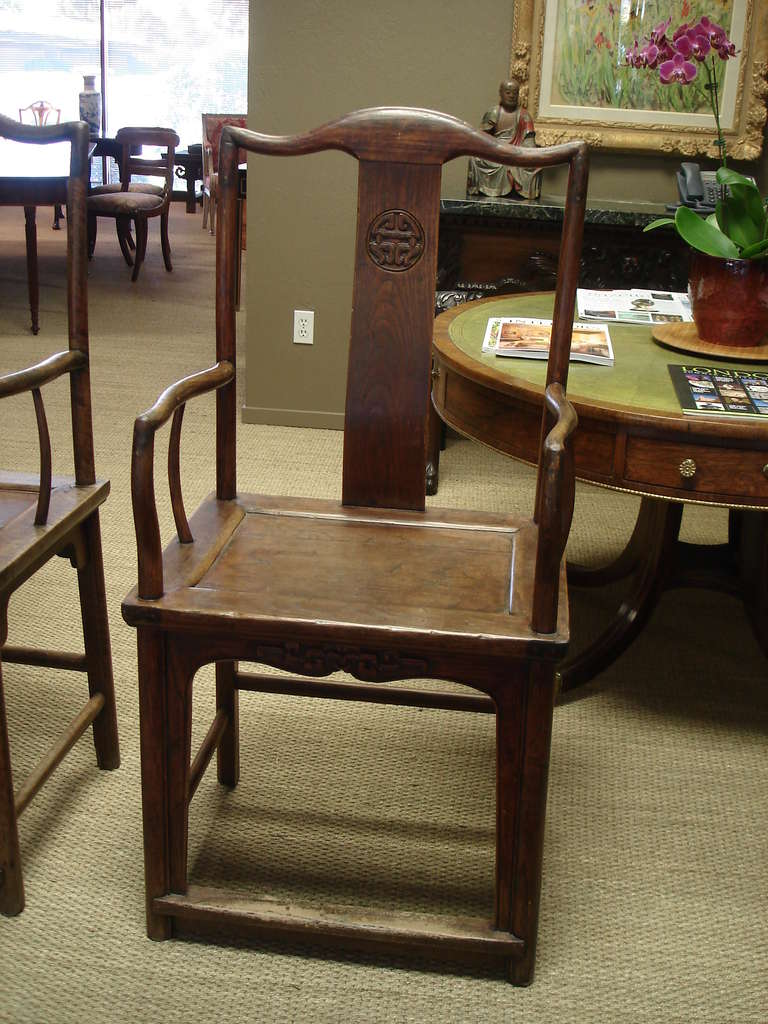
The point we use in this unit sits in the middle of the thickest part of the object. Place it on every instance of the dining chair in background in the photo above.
(42, 516)
(135, 202)
(41, 113)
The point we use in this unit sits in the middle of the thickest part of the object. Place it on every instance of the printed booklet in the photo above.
(719, 391)
(529, 339)
(634, 306)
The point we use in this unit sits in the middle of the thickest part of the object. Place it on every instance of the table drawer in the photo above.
(698, 469)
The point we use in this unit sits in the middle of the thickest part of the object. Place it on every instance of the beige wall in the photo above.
(310, 61)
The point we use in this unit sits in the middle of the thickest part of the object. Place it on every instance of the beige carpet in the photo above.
(656, 858)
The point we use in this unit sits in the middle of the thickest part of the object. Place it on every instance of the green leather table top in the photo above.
(639, 379)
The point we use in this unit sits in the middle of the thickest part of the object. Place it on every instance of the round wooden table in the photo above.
(631, 437)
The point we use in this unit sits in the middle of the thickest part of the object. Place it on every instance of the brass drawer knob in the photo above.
(687, 469)
(436, 374)
(765, 469)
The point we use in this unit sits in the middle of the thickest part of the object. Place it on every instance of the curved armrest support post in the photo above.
(170, 403)
(44, 492)
(556, 491)
(32, 379)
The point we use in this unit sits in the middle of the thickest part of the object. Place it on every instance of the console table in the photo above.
(632, 436)
(484, 240)
(189, 169)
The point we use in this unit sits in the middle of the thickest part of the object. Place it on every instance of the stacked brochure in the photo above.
(529, 339)
(634, 306)
(719, 391)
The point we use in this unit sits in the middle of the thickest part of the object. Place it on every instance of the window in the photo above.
(166, 62)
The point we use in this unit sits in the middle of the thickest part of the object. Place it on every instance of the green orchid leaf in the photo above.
(756, 251)
(660, 223)
(735, 222)
(727, 176)
(752, 203)
(703, 236)
(745, 191)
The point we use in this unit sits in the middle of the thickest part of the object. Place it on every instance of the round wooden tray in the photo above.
(683, 338)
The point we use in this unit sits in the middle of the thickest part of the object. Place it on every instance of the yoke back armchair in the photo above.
(137, 202)
(373, 585)
(42, 516)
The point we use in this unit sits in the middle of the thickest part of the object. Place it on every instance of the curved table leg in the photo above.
(748, 531)
(657, 529)
(630, 557)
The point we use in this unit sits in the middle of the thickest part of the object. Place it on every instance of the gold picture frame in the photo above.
(534, 58)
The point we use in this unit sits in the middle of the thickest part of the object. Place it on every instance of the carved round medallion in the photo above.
(395, 240)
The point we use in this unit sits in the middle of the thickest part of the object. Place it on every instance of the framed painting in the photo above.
(569, 56)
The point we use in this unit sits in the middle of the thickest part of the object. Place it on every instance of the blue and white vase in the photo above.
(90, 105)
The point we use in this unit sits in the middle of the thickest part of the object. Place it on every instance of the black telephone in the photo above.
(697, 188)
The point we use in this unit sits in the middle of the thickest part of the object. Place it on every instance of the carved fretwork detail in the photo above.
(395, 240)
(371, 666)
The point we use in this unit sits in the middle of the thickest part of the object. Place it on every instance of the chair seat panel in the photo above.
(21, 542)
(14, 502)
(111, 190)
(447, 575)
(124, 203)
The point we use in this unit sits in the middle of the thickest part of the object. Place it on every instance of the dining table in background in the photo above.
(28, 181)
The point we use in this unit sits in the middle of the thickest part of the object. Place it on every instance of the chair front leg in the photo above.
(228, 751)
(164, 240)
(524, 708)
(11, 881)
(165, 719)
(93, 608)
(123, 225)
(141, 246)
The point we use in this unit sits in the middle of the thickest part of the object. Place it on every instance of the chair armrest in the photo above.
(32, 379)
(554, 507)
(170, 403)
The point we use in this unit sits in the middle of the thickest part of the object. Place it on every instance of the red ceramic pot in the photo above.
(729, 299)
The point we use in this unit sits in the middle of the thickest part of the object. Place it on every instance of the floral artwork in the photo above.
(593, 39)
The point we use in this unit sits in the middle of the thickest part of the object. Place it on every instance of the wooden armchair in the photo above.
(42, 516)
(360, 585)
(137, 201)
(212, 127)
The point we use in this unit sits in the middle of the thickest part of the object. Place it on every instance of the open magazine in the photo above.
(526, 338)
(719, 391)
(634, 306)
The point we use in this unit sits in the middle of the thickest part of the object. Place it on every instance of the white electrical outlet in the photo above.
(303, 326)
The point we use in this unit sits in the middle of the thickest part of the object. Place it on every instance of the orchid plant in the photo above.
(738, 229)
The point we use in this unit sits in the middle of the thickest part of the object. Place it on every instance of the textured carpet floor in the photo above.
(656, 857)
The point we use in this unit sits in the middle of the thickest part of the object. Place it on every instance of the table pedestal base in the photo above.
(655, 560)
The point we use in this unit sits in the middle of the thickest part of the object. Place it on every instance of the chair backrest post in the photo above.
(77, 302)
(568, 268)
(226, 256)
